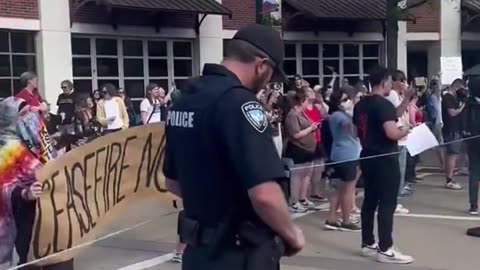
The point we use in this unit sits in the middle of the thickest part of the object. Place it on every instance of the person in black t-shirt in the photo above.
(452, 108)
(375, 118)
(65, 103)
(66, 112)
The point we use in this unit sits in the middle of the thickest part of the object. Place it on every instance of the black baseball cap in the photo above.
(267, 40)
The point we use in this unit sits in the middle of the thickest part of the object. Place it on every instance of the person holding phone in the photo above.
(301, 148)
(452, 108)
(316, 112)
(150, 108)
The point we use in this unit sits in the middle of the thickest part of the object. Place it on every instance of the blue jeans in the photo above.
(402, 162)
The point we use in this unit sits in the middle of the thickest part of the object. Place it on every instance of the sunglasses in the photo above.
(63, 87)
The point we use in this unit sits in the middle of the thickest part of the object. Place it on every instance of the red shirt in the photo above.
(315, 117)
(33, 100)
(418, 117)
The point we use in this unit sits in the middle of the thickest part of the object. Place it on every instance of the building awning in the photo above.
(342, 9)
(473, 5)
(193, 6)
(470, 15)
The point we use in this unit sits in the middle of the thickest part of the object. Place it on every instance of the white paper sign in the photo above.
(452, 68)
(420, 140)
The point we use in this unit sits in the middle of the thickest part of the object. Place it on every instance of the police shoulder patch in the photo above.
(255, 115)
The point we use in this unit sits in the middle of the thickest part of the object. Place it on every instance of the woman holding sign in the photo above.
(17, 182)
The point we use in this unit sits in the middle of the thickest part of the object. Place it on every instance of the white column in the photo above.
(54, 49)
(402, 46)
(450, 30)
(211, 40)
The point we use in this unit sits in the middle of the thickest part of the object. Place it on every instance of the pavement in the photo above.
(434, 233)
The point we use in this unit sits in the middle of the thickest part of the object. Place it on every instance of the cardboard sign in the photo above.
(452, 69)
(420, 81)
(89, 187)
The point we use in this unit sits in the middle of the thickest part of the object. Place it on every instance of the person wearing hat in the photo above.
(221, 160)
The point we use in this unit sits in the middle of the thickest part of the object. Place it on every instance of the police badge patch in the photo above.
(255, 115)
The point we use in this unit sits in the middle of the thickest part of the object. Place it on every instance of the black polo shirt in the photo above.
(219, 145)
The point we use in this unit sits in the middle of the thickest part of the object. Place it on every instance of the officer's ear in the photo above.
(263, 65)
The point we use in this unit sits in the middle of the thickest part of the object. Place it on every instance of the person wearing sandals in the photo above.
(301, 148)
(345, 153)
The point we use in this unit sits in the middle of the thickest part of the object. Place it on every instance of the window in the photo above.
(182, 62)
(130, 63)
(316, 62)
(82, 64)
(17, 55)
(290, 62)
(310, 63)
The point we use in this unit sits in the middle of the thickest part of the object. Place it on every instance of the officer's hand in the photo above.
(296, 244)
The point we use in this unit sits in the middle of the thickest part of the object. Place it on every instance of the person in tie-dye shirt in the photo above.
(18, 187)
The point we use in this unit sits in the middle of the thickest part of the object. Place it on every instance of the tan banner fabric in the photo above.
(89, 187)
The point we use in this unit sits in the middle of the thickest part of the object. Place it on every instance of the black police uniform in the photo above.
(219, 145)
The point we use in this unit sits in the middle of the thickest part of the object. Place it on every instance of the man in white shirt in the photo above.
(400, 97)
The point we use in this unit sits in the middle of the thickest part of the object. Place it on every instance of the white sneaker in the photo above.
(298, 208)
(370, 251)
(353, 219)
(177, 257)
(307, 204)
(453, 186)
(393, 256)
(409, 187)
(357, 211)
(401, 210)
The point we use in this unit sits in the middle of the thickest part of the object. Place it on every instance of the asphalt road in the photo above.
(434, 233)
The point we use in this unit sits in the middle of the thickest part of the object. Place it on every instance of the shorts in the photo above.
(298, 154)
(347, 171)
(453, 145)
(320, 152)
(437, 132)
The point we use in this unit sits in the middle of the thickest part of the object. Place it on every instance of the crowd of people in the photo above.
(323, 135)
(321, 132)
(80, 118)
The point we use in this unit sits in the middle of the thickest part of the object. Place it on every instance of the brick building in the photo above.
(132, 42)
(441, 29)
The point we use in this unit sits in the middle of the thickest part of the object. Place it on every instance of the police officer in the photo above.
(220, 158)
